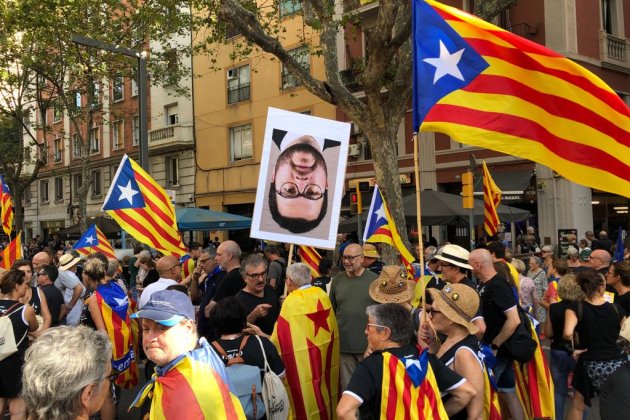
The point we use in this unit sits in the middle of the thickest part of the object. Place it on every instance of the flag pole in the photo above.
(416, 165)
(289, 262)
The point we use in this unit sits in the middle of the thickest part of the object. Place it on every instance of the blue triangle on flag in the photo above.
(88, 240)
(124, 192)
(376, 217)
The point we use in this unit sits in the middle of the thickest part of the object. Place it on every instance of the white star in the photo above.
(446, 63)
(121, 302)
(127, 193)
(90, 239)
(380, 212)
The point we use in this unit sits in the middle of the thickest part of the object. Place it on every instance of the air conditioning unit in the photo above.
(354, 150)
(232, 74)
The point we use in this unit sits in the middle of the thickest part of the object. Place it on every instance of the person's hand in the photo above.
(426, 333)
(260, 311)
(576, 353)
(252, 329)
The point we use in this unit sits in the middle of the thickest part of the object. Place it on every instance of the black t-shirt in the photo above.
(229, 285)
(614, 396)
(556, 317)
(35, 301)
(270, 297)
(20, 328)
(152, 277)
(252, 354)
(624, 302)
(598, 330)
(54, 299)
(496, 298)
(321, 282)
(367, 379)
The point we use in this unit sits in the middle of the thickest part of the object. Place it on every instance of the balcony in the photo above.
(614, 51)
(173, 137)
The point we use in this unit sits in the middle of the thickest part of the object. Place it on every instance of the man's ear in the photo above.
(86, 395)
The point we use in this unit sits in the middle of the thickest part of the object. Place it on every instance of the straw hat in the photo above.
(454, 254)
(457, 302)
(391, 286)
(67, 261)
(370, 251)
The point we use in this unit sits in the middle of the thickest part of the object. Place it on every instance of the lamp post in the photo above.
(142, 87)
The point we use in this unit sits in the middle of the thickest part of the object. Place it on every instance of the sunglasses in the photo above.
(41, 274)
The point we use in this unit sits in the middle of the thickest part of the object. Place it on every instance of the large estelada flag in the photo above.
(12, 252)
(409, 389)
(114, 306)
(6, 206)
(307, 338)
(487, 87)
(93, 240)
(310, 256)
(380, 227)
(143, 209)
(491, 200)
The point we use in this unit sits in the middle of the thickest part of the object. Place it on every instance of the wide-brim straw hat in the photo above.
(454, 254)
(457, 302)
(68, 261)
(370, 251)
(391, 286)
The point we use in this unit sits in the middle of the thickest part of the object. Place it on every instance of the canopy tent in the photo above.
(440, 208)
(108, 226)
(193, 218)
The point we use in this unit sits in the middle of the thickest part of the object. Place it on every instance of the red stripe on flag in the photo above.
(521, 127)
(181, 395)
(290, 364)
(406, 396)
(136, 224)
(329, 385)
(159, 196)
(156, 206)
(392, 395)
(315, 359)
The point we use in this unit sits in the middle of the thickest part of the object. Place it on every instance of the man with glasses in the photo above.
(600, 261)
(260, 300)
(169, 269)
(203, 280)
(46, 277)
(349, 296)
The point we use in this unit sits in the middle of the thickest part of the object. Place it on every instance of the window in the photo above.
(76, 146)
(58, 189)
(241, 142)
(77, 99)
(77, 180)
(95, 95)
(96, 183)
(135, 126)
(170, 112)
(300, 54)
(118, 134)
(172, 171)
(95, 140)
(58, 149)
(134, 83)
(289, 7)
(57, 112)
(238, 84)
(27, 195)
(118, 89)
(27, 154)
(43, 189)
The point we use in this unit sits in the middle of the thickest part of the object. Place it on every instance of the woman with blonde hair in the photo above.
(526, 288)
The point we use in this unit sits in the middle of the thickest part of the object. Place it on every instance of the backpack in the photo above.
(274, 393)
(245, 379)
(8, 346)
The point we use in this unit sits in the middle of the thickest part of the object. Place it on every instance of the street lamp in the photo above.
(141, 56)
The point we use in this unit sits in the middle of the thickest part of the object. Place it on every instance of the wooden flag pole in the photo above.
(416, 165)
(289, 262)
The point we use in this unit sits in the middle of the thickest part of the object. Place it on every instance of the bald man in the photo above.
(229, 259)
(170, 269)
(40, 260)
(349, 296)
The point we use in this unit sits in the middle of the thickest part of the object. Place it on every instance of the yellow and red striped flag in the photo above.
(488, 87)
(6, 206)
(307, 338)
(310, 257)
(12, 252)
(491, 200)
(143, 209)
(94, 240)
(188, 266)
(410, 395)
(380, 227)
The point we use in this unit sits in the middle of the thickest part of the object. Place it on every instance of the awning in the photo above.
(510, 183)
(193, 218)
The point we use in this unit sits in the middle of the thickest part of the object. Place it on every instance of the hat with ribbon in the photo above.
(457, 302)
(67, 261)
(454, 254)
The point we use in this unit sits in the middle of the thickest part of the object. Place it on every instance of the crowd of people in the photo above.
(83, 325)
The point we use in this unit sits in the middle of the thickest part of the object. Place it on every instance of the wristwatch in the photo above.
(494, 346)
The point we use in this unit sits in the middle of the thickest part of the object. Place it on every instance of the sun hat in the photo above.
(391, 286)
(370, 251)
(68, 261)
(457, 302)
(455, 255)
(585, 254)
(167, 307)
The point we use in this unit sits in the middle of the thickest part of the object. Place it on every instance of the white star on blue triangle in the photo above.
(124, 192)
(376, 218)
(88, 239)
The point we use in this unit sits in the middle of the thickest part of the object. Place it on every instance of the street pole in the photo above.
(141, 56)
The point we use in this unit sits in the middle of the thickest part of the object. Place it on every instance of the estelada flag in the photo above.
(491, 406)
(188, 266)
(310, 257)
(12, 252)
(491, 200)
(307, 338)
(409, 389)
(143, 209)
(94, 240)
(487, 87)
(114, 307)
(7, 207)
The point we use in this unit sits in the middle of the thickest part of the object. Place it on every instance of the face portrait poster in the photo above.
(301, 178)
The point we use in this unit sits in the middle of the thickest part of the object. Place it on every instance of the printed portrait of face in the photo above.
(298, 195)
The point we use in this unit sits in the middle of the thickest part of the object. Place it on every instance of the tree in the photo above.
(385, 74)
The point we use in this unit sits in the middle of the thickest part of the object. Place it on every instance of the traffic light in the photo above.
(468, 191)
(356, 205)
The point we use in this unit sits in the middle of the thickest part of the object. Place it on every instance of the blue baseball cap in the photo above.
(167, 307)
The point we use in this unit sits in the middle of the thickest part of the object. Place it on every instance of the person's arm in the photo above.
(480, 323)
(260, 311)
(95, 312)
(512, 322)
(29, 315)
(460, 397)
(76, 294)
(570, 322)
(347, 407)
(195, 277)
(467, 365)
(43, 306)
(548, 327)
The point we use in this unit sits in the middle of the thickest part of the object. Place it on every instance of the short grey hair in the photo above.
(548, 248)
(394, 317)
(58, 366)
(519, 265)
(253, 260)
(112, 267)
(299, 274)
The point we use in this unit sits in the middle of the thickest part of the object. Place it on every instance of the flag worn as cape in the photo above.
(310, 257)
(380, 227)
(491, 200)
(491, 406)
(114, 306)
(12, 252)
(94, 240)
(143, 209)
(409, 389)
(307, 338)
(6, 206)
(487, 87)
